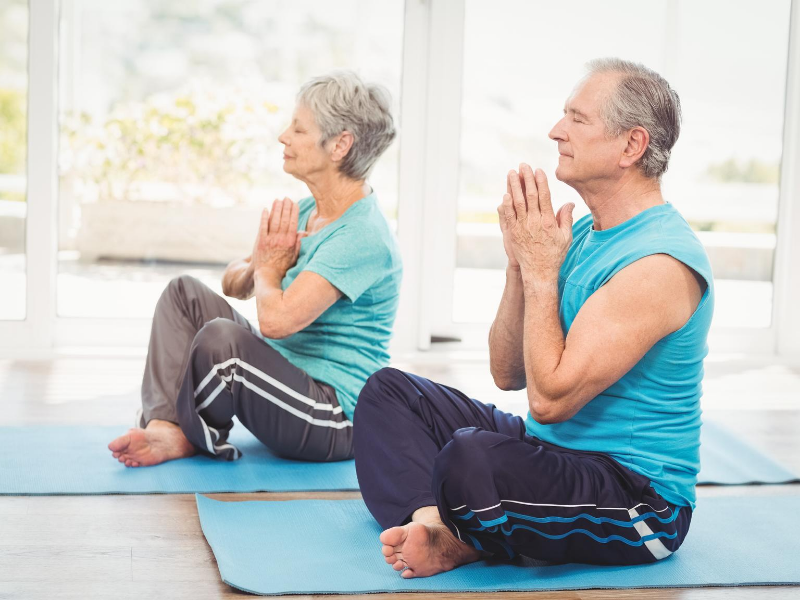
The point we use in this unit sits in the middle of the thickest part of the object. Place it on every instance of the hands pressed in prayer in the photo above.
(277, 244)
(535, 238)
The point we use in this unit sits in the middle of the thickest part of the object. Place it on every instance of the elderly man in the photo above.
(604, 323)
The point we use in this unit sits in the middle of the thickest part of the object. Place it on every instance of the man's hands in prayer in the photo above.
(534, 237)
(277, 244)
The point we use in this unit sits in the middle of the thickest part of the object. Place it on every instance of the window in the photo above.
(13, 157)
(170, 113)
(724, 172)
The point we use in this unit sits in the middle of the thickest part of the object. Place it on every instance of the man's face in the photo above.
(586, 153)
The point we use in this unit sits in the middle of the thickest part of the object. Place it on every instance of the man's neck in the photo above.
(614, 202)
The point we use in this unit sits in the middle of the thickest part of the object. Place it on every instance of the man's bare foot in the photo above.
(159, 442)
(425, 549)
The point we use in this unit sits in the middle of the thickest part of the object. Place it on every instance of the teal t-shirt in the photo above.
(358, 255)
(649, 420)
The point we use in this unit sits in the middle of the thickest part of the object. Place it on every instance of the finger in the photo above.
(517, 197)
(286, 216)
(565, 220)
(509, 213)
(545, 202)
(263, 227)
(275, 217)
(294, 216)
(531, 195)
(501, 216)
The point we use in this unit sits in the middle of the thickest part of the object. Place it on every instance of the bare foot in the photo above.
(159, 442)
(425, 549)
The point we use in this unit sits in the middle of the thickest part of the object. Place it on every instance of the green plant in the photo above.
(198, 146)
(13, 126)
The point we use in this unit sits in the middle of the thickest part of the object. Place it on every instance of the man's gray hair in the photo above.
(642, 98)
(341, 101)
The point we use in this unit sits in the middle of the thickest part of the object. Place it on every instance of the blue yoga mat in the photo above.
(76, 460)
(331, 547)
(30, 464)
(727, 460)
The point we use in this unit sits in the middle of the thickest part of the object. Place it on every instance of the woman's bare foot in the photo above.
(159, 442)
(425, 548)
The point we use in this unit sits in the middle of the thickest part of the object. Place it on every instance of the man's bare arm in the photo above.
(506, 357)
(506, 352)
(613, 330)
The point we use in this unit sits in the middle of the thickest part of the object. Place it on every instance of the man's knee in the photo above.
(220, 333)
(378, 386)
(466, 457)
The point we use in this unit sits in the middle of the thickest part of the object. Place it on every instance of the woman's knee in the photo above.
(220, 333)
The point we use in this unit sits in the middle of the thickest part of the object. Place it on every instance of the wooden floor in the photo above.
(152, 546)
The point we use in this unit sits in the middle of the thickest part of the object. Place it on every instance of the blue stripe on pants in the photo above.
(419, 444)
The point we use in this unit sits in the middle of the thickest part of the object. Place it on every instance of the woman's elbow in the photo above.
(273, 330)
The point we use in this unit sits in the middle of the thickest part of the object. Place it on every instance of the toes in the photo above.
(387, 550)
(115, 454)
(129, 463)
(399, 565)
(394, 536)
(135, 464)
(408, 574)
(120, 443)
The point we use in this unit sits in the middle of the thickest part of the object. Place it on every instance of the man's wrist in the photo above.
(540, 284)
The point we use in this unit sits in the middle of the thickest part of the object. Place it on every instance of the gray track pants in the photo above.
(206, 363)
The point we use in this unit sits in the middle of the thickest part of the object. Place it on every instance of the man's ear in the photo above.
(341, 146)
(638, 140)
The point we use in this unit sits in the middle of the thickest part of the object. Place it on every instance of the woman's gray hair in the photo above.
(642, 98)
(341, 101)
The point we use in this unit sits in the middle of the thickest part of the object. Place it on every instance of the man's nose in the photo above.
(557, 133)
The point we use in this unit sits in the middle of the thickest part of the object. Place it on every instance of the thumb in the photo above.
(300, 236)
(565, 218)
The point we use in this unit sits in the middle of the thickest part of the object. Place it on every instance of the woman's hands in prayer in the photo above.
(277, 244)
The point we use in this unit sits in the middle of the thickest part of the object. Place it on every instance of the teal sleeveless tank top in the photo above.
(649, 421)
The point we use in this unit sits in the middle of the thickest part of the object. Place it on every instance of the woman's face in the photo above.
(302, 154)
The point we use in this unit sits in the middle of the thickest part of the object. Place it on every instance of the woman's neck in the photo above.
(334, 194)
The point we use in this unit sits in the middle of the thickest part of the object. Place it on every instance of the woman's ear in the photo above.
(341, 146)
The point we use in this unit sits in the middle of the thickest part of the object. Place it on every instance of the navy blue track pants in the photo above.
(419, 443)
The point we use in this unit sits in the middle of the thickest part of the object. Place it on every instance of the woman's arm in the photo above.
(282, 313)
(237, 280)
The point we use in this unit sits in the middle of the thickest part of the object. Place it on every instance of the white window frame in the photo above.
(430, 123)
(782, 337)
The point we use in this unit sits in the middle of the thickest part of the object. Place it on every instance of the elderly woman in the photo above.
(325, 273)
